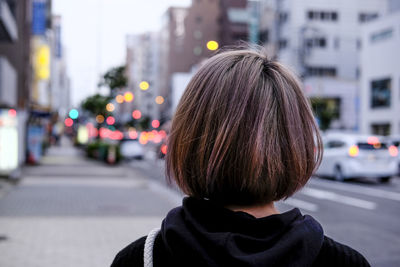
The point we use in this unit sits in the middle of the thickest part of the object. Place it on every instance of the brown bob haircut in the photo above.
(243, 132)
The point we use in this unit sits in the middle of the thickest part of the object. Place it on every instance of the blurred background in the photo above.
(88, 89)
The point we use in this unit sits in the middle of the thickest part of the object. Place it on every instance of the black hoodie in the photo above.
(201, 233)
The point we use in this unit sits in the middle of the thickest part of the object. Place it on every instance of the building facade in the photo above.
(15, 77)
(59, 80)
(143, 66)
(187, 32)
(320, 40)
(380, 76)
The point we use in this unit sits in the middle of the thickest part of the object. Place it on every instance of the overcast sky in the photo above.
(94, 31)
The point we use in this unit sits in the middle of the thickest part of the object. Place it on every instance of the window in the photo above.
(322, 15)
(380, 93)
(321, 71)
(365, 17)
(316, 42)
(264, 36)
(283, 43)
(283, 17)
(335, 144)
(380, 128)
(381, 35)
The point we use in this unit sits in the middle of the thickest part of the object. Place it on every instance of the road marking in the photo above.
(358, 189)
(301, 204)
(322, 194)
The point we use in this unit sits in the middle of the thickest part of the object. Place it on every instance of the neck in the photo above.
(257, 211)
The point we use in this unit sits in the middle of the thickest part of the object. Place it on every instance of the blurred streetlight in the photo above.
(144, 85)
(68, 122)
(159, 100)
(212, 45)
(110, 107)
(110, 120)
(99, 118)
(136, 114)
(155, 123)
(119, 99)
(73, 114)
(128, 97)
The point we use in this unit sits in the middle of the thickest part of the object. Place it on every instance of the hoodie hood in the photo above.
(201, 233)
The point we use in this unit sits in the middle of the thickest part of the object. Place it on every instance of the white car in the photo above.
(131, 149)
(395, 140)
(353, 155)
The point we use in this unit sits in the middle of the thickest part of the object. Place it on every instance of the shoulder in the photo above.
(131, 255)
(333, 253)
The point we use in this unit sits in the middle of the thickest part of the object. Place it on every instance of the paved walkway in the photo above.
(71, 211)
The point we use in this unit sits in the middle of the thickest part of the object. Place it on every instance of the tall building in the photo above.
(380, 76)
(186, 36)
(15, 75)
(172, 36)
(142, 68)
(59, 80)
(320, 40)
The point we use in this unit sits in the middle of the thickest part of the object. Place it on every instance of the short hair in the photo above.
(243, 132)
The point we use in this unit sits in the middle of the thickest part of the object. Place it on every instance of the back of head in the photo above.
(243, 132)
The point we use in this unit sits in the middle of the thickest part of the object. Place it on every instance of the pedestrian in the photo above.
(243, 137)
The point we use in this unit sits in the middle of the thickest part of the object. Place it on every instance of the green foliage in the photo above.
(114, 78)
(96, 104)
(99, 150)
(142, 124)
(325, 110)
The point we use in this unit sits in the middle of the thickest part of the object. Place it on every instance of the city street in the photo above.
(71, 211)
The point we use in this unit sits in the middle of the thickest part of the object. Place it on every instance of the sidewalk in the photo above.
(71, 211)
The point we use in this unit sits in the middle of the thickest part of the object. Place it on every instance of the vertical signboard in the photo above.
(8, 141)
(39, 17)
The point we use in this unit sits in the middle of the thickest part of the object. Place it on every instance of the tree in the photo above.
(114, 79)
(325, 110)
(96, 104)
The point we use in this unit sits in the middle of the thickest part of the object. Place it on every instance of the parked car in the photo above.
(395, 141)
(131, 149)
(352, 155)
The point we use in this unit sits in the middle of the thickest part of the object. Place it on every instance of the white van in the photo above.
(395, 140)
(353, 155)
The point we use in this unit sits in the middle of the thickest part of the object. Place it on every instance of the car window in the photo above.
(366, 146)
(334, 144)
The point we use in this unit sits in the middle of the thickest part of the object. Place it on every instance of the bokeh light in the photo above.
(73, 114)
(164, 149)
(68, 122)
(136, 114)
(155, 123)
(159, 100)
(144, 85)
(143, 139)
(110, 120)
(128, 97)
(353, 151)
(119, 99)
(110, 107)
(212, 45)
(133, 133)
(12, 113)
(99, 118)
(393, 151)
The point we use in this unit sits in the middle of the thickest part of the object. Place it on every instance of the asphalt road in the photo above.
(363, 214)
